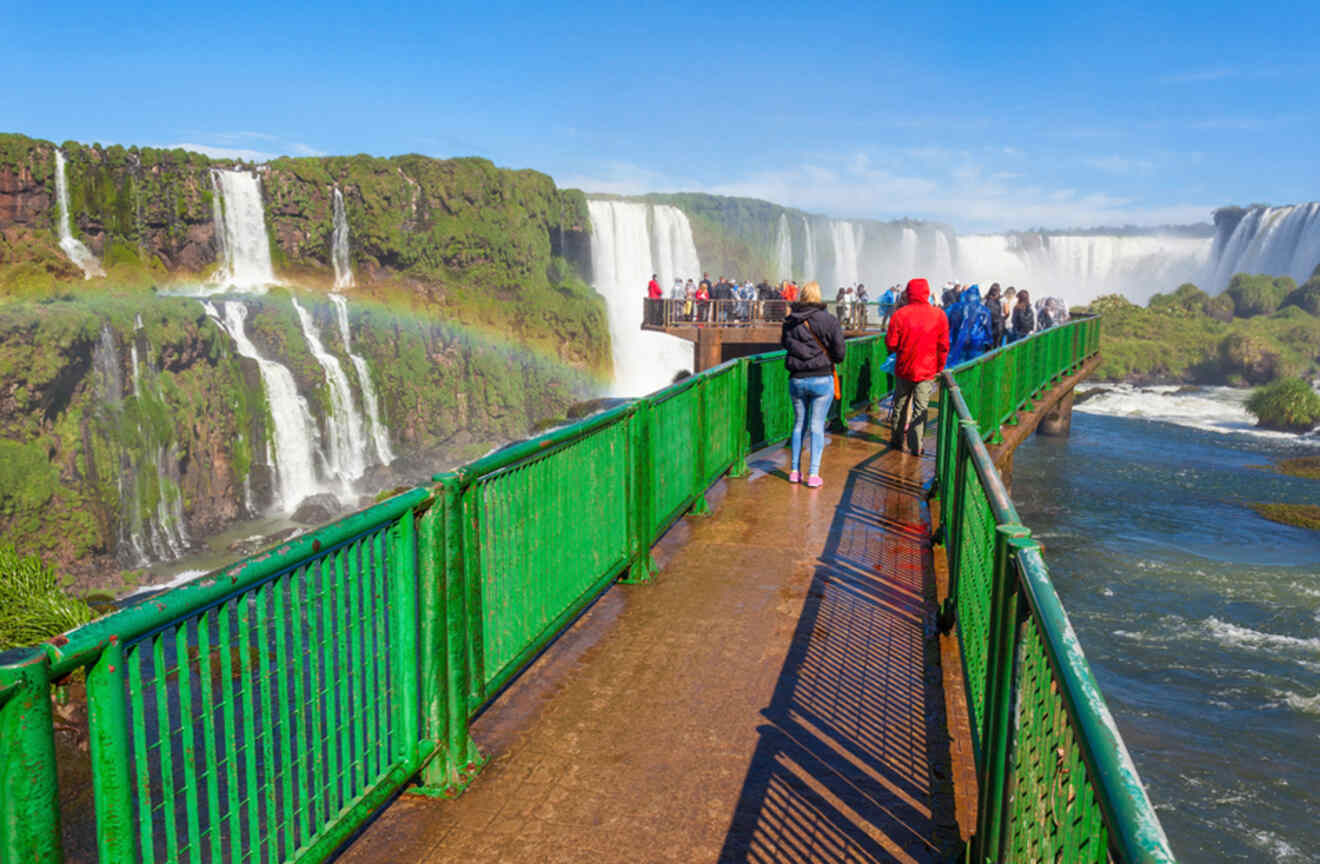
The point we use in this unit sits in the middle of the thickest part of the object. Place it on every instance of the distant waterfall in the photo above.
(295, 433)
(380, 435)
(339, 245)
(621, 245)
(784, 250)
(809, 254)
(241, 232)
(347, 455)
(77, 252)
(671, 242)
(847, 249)
(907, 255)
(1280, 241)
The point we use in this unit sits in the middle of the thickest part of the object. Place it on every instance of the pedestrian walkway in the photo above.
(774, 695)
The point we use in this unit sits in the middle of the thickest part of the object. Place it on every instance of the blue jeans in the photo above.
(810, 396)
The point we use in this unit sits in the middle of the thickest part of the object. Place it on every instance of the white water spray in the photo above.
(784, 250)
(348, 453)
(621, 256)
(339, 245)
(77, 252)
(847, 254)
(809, 260)
(241, 232)
(1279, 241)
(295, 433)
(380, 434)
(671, 242)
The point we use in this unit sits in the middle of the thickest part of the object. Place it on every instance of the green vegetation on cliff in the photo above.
(33, 605)
(1189, 337)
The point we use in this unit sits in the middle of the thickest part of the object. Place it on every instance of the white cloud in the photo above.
(248, 146)
(956, 190)
(1119, 166)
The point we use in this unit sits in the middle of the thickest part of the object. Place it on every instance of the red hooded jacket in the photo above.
(919, 334)
(653, 290)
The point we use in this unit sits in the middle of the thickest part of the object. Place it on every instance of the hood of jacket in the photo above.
(918, 290)
(802, 311)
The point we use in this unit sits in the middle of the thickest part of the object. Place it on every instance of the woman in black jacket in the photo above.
(814, 342)
(1024, 319)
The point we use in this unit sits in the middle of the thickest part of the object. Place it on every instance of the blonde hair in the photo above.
(810, 293)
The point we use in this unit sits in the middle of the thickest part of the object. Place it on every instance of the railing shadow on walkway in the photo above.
(853, 761)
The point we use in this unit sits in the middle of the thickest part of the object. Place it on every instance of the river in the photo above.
(1201, 619)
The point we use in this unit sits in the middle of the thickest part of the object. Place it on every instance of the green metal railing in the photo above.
(265, 711)
(1055, 782)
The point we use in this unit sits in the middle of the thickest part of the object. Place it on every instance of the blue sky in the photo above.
(985, 116)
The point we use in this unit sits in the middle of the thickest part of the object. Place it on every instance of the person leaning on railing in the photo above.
(919, 334)
(814, 342)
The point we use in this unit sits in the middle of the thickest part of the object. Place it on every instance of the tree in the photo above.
(1306, 298)
(1289, 405)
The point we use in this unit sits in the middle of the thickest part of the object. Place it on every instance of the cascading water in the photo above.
(907, 253)
(1280, 241)
(675, 255)
(621, 258)
(380, 434)
(339, 245)
(847, 253)
(347, 457)
(809, 254)
(784, 250)
(241, 232)
(77, 252)
(295, 434)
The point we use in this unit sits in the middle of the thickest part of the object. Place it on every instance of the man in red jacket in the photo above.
(919, 334)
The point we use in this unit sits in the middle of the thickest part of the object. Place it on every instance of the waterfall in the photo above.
(943, 257)
(844, 239)
(1279, 241)
(241, 232)
(77, 252)
(671, 241)
(907, 255)
(339, 246)
(622, 263)
(809, 255)
(295, 433)
(380, 435)
(784, 250)
(348, 452)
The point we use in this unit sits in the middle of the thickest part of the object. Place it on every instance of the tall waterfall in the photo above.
(241, 232)
(339, 245)
(1280, 241)
(621, 253)
(783, 250)
(295, 435)
(380, 435)
(671, 243)
(809, 254)
(845, 238)
(907, 254)
(347, 457)
(77, 252)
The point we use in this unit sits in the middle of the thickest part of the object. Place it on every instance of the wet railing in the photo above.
(1055, 782)
(265, 711)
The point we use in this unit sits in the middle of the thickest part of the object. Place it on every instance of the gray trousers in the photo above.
(911, 399)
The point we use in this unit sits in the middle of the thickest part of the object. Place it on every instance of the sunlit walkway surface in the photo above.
(771, 697)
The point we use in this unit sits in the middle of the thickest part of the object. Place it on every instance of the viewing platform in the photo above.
(630, 639)
(721, 330)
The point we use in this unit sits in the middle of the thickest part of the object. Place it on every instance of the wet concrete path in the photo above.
(772, 697)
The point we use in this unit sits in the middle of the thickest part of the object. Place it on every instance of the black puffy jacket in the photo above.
(805, 357)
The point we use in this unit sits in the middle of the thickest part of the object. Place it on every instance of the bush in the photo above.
(33, 607)
(1258, 294)
(1220, 308)
(1187, 300)
(1307, 297)
(1289, 405)
(1250, 357)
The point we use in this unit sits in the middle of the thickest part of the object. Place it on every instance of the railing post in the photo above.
(953, 536)
(641, 451)
(1000, 695)
(112, 784)
(404, 660)
(742, 436)
(445, 568)
(29, 789)
(700, 507)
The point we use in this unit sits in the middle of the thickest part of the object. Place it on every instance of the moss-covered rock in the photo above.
(1298, 515)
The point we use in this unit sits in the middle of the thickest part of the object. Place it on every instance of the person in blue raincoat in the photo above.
(975, 333)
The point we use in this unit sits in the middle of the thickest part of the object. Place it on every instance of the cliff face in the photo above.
(130, 426)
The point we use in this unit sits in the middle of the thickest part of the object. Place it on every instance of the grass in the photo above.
(33, 606)
(1300, 515)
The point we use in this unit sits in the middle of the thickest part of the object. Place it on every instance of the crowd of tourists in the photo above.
(923, 334)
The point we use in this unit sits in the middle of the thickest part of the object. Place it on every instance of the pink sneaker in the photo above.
(815, 482)
(795, 477)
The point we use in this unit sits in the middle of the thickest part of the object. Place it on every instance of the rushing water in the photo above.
(347, 453)
(241, 232)
(77, 252)
(380, 434)
(339, 244)
(1201, 619)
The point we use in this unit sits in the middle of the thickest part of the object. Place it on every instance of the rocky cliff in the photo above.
(130, 424)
